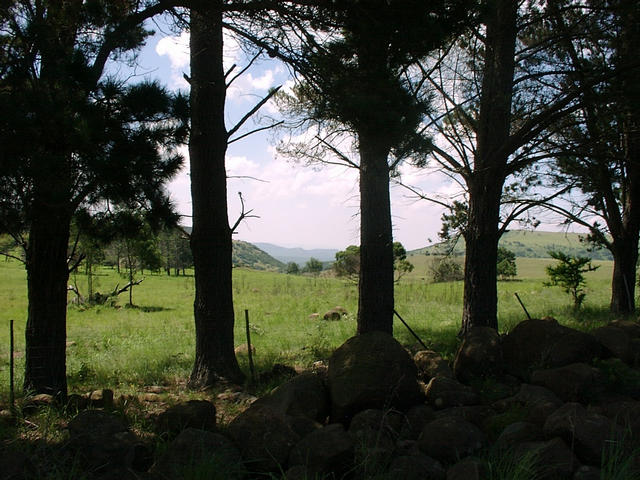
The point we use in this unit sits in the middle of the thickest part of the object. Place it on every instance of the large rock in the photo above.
(304, 395)
(431, 364)
(467, 469)
(265, 438)
(519, 432)
(479, 355)
(545, 343)
(588, 432)
(616, 342)
(571, 383)
(450, 438)
(416, 467)
(371, 370)
(199, 414)
(550, 460)
(104, 442)
(538, 402)
(444, 392)
(201, 451)
(415, 420)
(328, 450)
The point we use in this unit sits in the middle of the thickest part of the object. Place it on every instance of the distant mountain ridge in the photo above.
(248, 255)
(530, 244)
(297, 255)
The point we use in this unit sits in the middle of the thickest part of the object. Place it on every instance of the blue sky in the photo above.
(297, 205)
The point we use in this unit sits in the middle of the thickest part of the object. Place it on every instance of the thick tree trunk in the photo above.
(480, 305)
(47, 276)
(211, 235)
(490, 168)
(375, 302)
(625, 258)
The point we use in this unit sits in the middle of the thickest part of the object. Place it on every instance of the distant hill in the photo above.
(528, 244)
(248, 255)
(298, 255)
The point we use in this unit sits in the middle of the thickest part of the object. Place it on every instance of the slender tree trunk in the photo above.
(47, 277)
(375, 302)
(623, 282)
(211, 235)
(490, 168)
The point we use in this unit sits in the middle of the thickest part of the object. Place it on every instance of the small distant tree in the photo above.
(401, 266)
(313, 266)
(347, 263)
(446, 269)
(293, 268)
(507, 268)
(568, 274)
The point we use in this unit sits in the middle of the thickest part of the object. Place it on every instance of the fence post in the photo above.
(246, 318)
(12, 397)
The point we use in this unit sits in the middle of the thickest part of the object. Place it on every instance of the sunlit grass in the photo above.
(126, 348)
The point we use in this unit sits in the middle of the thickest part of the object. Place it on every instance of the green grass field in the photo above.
(126, 349)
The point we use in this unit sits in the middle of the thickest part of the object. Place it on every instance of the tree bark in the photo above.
(375, 287)
(47, 276)
(490, 168)
(211, 242)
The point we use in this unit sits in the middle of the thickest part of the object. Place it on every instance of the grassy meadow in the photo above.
(130, 348)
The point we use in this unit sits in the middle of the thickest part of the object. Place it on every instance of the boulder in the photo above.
(336, 313)
(444, 392)
(415, 420)
(374, 433)
(519, 432)
(102, 398)
(551, 460)
(202, 451)
(587, 472)
(449, 438)
(529, 344)
(573, 346)
(103, 442)
(371, 370)
(430, 364)
(479, 355)
(586, 431)
(467, 469)
(265, 438)
(305, 395)
(616, 342)
(416, 467)
(199, 414)
(476, 414)
(573, 382)
(328, 450)
(538, 402)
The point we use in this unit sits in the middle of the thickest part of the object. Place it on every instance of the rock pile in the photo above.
(554, 398)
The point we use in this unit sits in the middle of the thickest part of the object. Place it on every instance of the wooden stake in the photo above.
(246, 318)
(12, 397)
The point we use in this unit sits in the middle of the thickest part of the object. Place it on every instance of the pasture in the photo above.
(130, 348)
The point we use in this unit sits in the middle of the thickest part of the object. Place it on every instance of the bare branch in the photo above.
(267, 127)
(243, 214)
(250, 113)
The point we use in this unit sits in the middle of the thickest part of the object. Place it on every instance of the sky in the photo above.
(294, 205)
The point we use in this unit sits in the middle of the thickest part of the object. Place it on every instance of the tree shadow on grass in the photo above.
(148, 308)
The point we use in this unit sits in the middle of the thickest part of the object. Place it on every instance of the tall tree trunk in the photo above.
(625, 258)
(480, 305)
(625, 248)
(375, 302)
(211, 236)
(47, 276)
(490, 167)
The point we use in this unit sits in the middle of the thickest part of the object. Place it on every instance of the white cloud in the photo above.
(176, 48)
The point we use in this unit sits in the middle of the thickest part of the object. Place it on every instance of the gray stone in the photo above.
(430, 364)
(519, 432)
(371, 370)
(551, 460)
(467, 469)
(199, 414)
(328, 450)
(415, 420)
(570, 383)
(416, 467)
(443, 392)
(450, 438)
(200, 450)
(479, 355)
(616, 342)
(264, 437)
